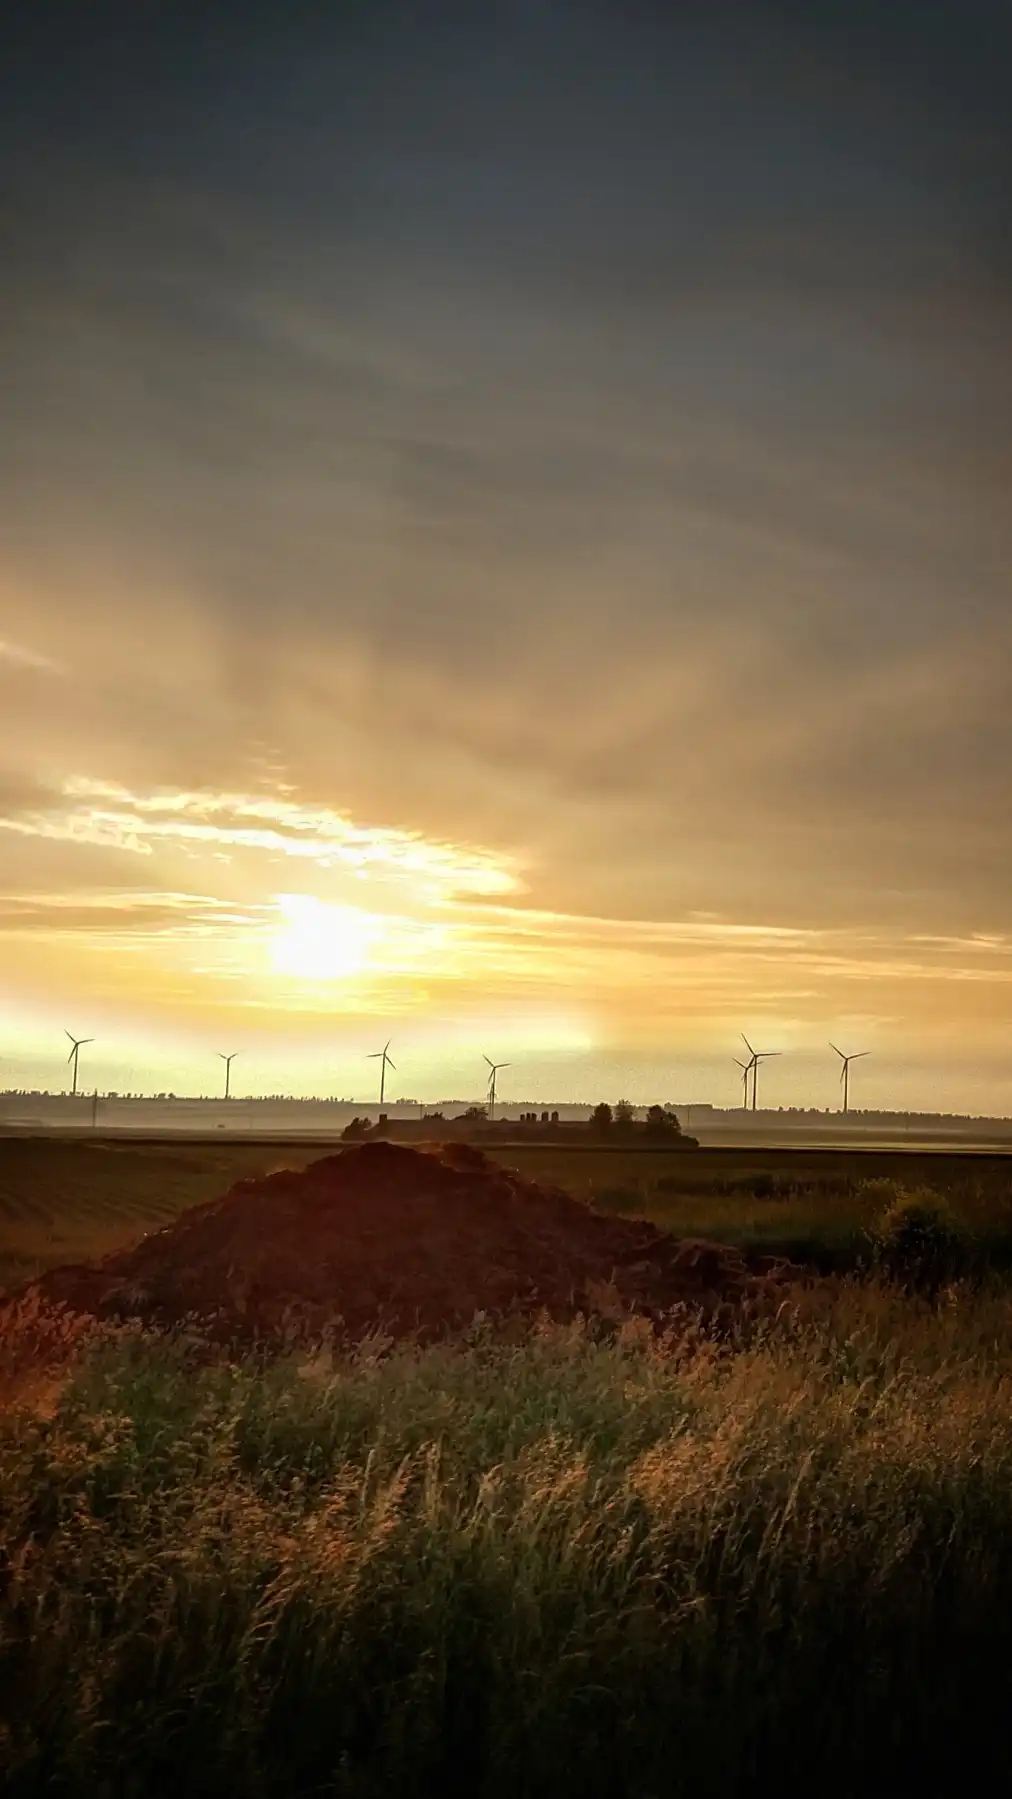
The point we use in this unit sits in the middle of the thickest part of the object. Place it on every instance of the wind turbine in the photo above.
(845, 1069)
(228, 1060)
(78, 1043)
(381, 1056)
(745, 1071)
(495, 1067)
(758, 1055)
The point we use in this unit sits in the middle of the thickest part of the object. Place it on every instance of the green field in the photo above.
(63, 1201)
(815, 1205)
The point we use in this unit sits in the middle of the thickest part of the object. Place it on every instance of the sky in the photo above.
(505, 547)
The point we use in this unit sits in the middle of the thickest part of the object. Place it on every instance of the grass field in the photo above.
(571, 1565)
(564, 1567)
(68, 1201)
(813, 1205)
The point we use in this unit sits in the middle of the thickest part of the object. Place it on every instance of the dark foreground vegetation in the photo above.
(575, 1564)
(587, 1560)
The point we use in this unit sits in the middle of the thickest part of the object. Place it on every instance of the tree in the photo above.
(625, 1115)
(475, 1115)
(662, 1123)
(601, 1119)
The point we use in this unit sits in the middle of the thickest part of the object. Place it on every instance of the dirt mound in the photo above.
(412, 1241)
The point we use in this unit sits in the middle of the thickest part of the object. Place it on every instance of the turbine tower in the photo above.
(494, 1067)
(846, 1061)
(381, 1056)
(78, 1045)
(228, 1060)
(746, 1069)
(758, 1055)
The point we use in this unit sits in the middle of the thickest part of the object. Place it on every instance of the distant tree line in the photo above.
(660, 1124)
(606, 1123)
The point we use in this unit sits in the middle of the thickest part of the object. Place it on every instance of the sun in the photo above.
(320, 942)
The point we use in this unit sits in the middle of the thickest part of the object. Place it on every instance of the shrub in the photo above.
(918, 1243)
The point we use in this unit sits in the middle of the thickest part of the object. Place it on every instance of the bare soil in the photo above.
(412, 1242)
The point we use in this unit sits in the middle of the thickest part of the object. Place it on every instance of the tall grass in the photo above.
(563, 1565)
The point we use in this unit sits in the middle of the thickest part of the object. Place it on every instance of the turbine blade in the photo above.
(839, 1052)
(747, 1044)
(392, 1065)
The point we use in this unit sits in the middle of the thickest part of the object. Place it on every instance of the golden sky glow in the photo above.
(507, 547)
(205, 932)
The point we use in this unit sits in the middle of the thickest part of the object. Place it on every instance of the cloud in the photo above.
(110, 816)
(112, 911)
(15, 655)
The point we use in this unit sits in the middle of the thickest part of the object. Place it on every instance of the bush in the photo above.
(918, 1242)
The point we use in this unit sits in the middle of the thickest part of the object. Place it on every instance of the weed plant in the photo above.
(564, 1565)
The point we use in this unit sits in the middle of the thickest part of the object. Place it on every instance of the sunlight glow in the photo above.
(319, 942)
